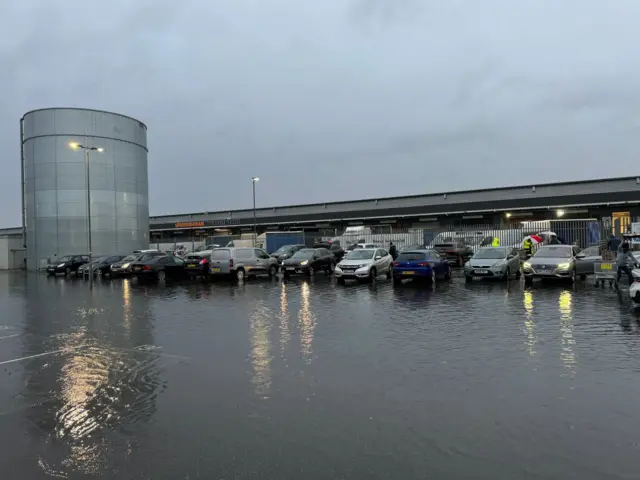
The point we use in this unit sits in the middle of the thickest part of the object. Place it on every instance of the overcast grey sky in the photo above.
(332, 100)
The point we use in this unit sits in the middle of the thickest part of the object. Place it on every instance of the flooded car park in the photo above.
(273, 379)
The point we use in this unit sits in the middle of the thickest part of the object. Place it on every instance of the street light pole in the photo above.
(75, 146)
(255, 223)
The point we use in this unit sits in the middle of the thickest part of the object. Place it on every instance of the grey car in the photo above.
(560, 261)
(364, 264)
(493, 262)
(242, 262)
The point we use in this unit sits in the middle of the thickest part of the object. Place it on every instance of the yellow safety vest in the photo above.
(495, 243)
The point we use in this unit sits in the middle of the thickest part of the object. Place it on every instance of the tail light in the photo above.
(231, 263)
(203, 261)
(395, 264)
(423, 264)
(146, 268)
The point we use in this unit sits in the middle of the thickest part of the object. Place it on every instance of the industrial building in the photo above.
(101, 183)
(617, 199)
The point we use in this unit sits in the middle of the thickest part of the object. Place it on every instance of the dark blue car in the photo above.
(421, 265)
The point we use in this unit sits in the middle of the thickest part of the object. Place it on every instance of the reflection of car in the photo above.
(197, 264)
(286, 251)
(100, 265)
(334, 248)
(560, 261)
(456, 251)
(164, 267)
(420, 265)
(242, 262)
(493, 262)
(123, 267)
(364, 264)
(308, 261)
(67, 264)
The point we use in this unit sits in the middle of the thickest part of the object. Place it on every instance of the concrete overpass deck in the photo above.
(584, 193)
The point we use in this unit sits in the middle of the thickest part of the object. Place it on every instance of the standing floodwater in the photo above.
(310, 379)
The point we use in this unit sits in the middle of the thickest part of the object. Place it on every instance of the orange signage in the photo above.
(189, 224)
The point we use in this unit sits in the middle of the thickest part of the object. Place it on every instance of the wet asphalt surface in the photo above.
(309, 379)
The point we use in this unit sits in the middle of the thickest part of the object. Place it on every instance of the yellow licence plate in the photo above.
(408, 273)
(606, 266)
(191, 265)
(215, 269)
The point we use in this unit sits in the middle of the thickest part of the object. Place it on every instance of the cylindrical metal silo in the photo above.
(55, 184)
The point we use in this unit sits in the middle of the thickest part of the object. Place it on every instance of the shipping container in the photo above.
(275, 240)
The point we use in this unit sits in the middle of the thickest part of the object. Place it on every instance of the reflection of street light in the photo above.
(560, 213)
(508, 215)
(255, 228)
(75, 146)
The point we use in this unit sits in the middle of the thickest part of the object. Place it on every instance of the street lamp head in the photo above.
(255, 179)
(74, 145)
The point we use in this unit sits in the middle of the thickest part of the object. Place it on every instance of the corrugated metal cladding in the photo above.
(55, 183)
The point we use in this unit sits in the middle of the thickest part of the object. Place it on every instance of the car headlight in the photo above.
(526, 265)
(126, 265)
(304, 262)
(564, 266)
(61, 265)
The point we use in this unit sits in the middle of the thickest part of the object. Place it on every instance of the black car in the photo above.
(68, 264)
(334, 248)
(123, 267)
(197, 264)
(101, 265)
(166, 267)
(286, 251)
(308, 261)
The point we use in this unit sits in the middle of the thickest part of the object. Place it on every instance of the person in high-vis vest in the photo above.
(528, 246)
(495, 242)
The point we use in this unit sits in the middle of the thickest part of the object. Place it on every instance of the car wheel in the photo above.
(461, 261)
(312, 271)
(373, 273)
(67, 272)
(573, 276)
(99, 272)
(389, 274)
(273, 271)
(433, 276)
(518, 274)
(507, 274)
(162, 275)
(447, 275)
(240, 274)
(468, 278)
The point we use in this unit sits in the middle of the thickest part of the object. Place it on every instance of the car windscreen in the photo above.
(147, 256)
(284, 249)
(553, 252)
(194, 257)
(411, 257)
(128, 258)
(100, 259)
(66, 259)
(304, 253)
(491, 253)
(361, 254)
(444, 245)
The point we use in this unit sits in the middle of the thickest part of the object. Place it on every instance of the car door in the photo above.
(263, 260)
(220, 259)
(440, 263)
(580, 262)
(379, 258)
(514, 260)
(591, 257)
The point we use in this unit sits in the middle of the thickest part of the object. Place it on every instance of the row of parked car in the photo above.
(362, 263)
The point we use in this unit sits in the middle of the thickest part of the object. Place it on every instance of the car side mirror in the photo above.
(378, 257)
(580, 255)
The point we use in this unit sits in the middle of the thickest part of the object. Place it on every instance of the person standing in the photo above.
(393, 251)
(528, 246)
(495, 242)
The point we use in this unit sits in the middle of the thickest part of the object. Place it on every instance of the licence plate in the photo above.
(137, 269)
(215, 269)
(482, 272)
(408, 273)
(290, 269)
(606, 266)
(544, 272)
(191, 265)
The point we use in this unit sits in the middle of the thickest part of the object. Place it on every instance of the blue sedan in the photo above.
(421, 265)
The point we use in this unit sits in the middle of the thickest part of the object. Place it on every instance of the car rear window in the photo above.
(220, 254)
(194, 257)
(411, 257)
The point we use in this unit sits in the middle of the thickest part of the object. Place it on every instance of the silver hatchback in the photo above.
(493, 262)
(242, 262)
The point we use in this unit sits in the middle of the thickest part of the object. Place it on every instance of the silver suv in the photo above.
(242, 262)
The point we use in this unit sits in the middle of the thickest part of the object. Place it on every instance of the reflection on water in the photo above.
(566, 328)
(126, 299)
(307, 323)
(285, 334)
(260, 349)
(529, 324)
